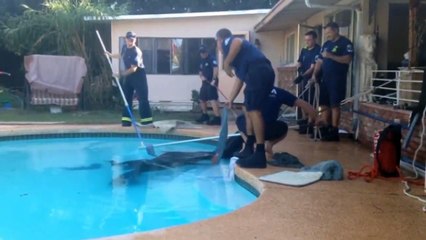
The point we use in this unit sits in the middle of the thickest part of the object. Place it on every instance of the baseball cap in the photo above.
(203, 49)
(130, 35)
(332, 25)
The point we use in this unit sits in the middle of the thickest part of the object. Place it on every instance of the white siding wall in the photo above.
(177, 88)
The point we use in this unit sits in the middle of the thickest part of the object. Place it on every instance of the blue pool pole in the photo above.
(149, 148)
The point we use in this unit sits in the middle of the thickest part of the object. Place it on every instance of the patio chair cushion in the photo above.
(40, 97)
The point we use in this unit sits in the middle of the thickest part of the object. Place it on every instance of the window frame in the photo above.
(291, 55)
(187, 60)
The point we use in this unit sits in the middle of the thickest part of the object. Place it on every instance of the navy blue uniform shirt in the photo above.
(247, 55)
(206, 67)
(307, 57)
(132, 56)
(272, 106)
(341, 47)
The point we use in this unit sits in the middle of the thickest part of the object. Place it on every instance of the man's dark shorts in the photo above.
(273, 131)
(259, 83)
(208, 92)
(332, 91)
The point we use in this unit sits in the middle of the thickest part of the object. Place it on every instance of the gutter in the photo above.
(310, 5)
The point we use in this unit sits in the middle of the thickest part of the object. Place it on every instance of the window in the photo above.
(192, 56)
(290, 49)
(177, 58)
(147, 47)
(172, 55)
(163, 60)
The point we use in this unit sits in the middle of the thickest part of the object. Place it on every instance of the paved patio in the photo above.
(324, 210)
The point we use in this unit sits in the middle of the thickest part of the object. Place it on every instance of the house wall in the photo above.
(272, 45)
(177, 88)
(368, 125)
(318, 19)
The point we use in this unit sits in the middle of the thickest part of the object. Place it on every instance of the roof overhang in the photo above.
(181, 15)
(289, 13)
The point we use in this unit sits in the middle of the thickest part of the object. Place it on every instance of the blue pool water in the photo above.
(68, 189)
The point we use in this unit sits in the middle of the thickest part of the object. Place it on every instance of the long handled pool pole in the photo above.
(192, 140)
(149, 148)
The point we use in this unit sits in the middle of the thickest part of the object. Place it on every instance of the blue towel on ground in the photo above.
(331, 169)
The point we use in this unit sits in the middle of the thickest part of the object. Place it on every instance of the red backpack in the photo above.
(387, 155)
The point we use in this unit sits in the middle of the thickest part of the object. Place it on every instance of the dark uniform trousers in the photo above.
(137, 82)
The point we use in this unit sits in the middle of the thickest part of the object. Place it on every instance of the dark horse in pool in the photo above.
(132, 169)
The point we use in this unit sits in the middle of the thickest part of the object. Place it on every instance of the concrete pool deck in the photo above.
(348, 209)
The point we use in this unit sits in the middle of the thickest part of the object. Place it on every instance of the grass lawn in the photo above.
(83, 117)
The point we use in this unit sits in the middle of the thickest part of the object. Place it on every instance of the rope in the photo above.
(367, 175)
(307, 88)
(408, 180)
(358, 95)
(420, 144)
(316, 106)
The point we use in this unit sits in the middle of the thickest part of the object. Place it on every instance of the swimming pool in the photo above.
(74, 188)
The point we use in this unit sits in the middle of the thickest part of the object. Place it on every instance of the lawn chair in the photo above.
(54, 80)
(44, 97)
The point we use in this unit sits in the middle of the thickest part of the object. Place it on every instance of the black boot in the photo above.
(321, 133)
(214, 121)
(248, 148)
(310, 128)
(303, 126)
(302, 122)
(203, 118)
(256, 160)
(126, 123)
(332, 136)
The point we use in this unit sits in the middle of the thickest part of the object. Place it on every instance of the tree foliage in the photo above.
(60, 27)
